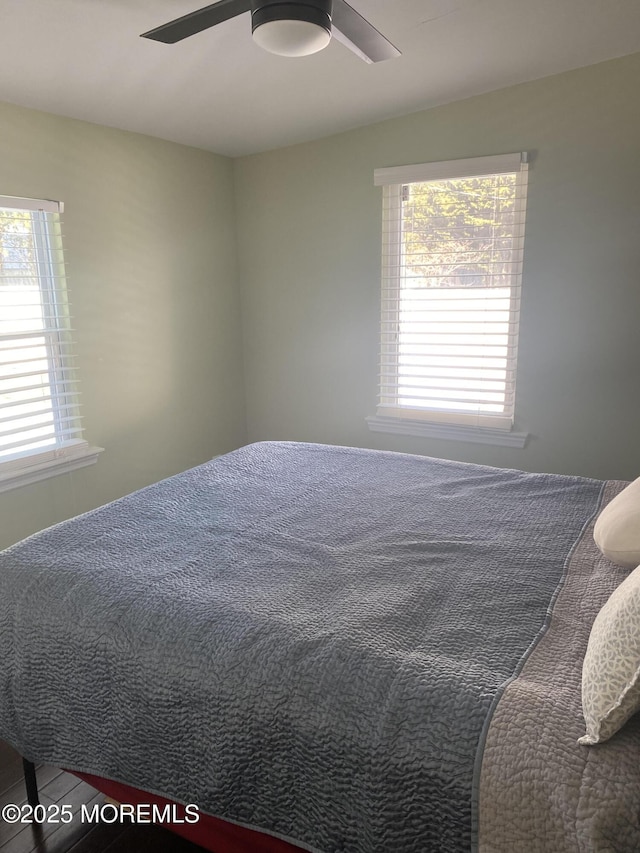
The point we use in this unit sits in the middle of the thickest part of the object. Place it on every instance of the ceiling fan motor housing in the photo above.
(287, 27)
(316, 12)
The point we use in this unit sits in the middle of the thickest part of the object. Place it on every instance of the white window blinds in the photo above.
(38, 384)
(453, 242)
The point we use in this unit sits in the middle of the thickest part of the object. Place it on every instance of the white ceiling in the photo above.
(217, 90)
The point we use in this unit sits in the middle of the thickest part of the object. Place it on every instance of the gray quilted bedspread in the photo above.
(302, 639)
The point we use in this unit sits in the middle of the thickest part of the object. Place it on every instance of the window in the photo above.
(453, 241)
(40, 431)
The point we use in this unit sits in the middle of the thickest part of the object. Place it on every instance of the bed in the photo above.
(341, 649)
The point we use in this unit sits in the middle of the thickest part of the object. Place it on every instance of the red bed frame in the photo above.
(209, 832)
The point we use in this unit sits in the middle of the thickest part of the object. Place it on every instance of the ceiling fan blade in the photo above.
(195, 22)
(356, 33)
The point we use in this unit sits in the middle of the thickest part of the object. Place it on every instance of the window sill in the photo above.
(42, 466)
(449, 432)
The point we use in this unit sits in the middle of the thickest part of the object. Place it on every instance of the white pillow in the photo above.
(617, 528)
(611, 669)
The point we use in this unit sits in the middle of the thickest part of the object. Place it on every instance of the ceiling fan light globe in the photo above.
(291, 38)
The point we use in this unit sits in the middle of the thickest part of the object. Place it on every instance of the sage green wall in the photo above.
(151, 248)
(309, 261)
(151, 261)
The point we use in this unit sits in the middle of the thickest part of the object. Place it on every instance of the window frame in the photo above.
(391, 416)
(68, 449)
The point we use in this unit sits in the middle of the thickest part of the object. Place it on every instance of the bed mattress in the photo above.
(351, 650)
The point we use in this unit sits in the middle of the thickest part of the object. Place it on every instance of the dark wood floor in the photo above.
(74, 837)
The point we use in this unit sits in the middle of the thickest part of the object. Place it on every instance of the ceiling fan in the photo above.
(295, 28)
